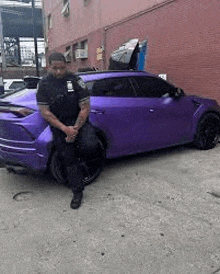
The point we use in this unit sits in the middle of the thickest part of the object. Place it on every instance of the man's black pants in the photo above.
(84, 146)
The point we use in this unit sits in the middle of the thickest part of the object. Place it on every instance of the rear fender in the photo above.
(43, 145)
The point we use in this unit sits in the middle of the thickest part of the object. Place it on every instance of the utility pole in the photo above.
(2, 57)
(35, 38)
(3, 66)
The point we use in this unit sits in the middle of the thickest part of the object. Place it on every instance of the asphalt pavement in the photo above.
(154, 213)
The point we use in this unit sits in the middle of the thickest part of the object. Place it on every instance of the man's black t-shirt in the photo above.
(63, 97)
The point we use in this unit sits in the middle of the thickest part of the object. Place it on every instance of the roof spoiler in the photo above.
(31, 81)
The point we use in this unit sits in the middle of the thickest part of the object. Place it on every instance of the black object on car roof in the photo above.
(31, 81)
(125, 58)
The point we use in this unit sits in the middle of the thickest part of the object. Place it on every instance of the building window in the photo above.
(66, 8)
(75, 47)
(84, 45)
(81, 50)
(68, 54)
(49, 21)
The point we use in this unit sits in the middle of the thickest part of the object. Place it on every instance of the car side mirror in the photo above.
(178, 93)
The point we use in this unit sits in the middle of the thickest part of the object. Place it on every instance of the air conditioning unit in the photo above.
(81, 53)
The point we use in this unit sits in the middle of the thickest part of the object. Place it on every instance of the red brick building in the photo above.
(183, 36)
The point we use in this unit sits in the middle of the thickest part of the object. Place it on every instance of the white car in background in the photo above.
(13, 84)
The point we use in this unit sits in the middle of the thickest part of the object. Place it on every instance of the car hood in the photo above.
(24, 98)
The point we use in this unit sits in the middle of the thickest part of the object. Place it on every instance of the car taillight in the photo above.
(19, 111)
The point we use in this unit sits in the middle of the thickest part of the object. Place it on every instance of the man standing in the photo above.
(63, 101)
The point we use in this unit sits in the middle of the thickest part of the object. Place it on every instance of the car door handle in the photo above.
(97, 111)
(151, 110)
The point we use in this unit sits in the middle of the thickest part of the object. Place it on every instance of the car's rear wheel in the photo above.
(56, 169)
(91, 168)
(208, 132)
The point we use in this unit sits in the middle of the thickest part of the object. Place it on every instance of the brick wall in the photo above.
(86, 18)
(183, 41)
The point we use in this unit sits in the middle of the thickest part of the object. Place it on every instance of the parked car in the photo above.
(13, 84)
(132, 111)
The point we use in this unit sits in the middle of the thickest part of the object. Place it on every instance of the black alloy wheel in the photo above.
(208, 132)
(57, 170)
(91, 168)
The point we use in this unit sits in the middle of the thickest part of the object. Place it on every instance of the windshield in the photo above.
(17, 85)
(15, 93)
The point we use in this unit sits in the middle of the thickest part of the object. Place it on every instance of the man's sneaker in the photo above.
(76, 201)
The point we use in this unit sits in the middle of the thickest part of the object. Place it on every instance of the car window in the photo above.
(90, 85)
(152, 87)
(112, 87)
(16, 85)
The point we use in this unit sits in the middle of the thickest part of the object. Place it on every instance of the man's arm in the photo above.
(84, 101)
(53, 121)
(83, 114)
(81, 119)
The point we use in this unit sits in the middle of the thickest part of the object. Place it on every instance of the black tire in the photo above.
(57, 170)
(91, 167)
(208, 132)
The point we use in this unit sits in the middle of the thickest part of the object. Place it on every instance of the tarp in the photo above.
(125, 57)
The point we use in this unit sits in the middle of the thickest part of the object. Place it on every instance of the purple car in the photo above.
(132, 111)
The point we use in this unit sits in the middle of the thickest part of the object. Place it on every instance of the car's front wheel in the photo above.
(91, 167)
(208, 132)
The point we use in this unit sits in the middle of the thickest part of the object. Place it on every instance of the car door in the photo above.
(113, 111)
(162, 120)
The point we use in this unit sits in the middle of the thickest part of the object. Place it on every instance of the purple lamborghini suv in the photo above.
(132, 111)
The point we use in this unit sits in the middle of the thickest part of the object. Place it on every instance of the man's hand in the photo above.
(71, 132)
(51, 118)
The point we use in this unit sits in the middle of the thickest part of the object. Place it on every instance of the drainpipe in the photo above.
(104, 49)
